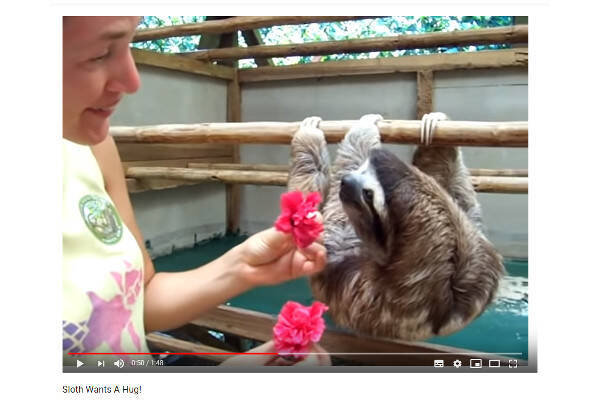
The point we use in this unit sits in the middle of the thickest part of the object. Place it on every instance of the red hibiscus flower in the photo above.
(297, 327)
(298, 216)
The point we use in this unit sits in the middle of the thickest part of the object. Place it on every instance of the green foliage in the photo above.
(169, 45)
(342, 30)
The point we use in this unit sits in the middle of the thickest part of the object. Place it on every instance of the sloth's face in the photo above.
(366, 195)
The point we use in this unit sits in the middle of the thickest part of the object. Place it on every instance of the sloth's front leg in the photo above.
(309, 170)
(354, 150)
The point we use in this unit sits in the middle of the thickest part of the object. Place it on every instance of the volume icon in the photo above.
(119, 363)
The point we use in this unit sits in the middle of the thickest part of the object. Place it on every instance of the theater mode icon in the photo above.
(494, 363)
(438, 363)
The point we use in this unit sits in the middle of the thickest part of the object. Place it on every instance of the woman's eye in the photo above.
(368, 195)
(101, 57)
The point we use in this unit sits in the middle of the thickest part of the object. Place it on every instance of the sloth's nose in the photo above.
(346, 180)
(350, 189)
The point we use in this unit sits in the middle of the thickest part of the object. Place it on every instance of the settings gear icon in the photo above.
(457, 364)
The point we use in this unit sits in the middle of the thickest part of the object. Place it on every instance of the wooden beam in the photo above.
(253, 38)
(233, 192)
(484, 172)
(144, 185)
(179, 63)
(213, 41)
(448, 133)
(231, 25)
(172, 151)
(434, 62)
(259, 326)
(271, 178)
(500, 184)
(490, 184)
(286, 168)
(176, 163)
(240, 167)
(512, 34)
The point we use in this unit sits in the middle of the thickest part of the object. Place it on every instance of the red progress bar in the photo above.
(180, 354)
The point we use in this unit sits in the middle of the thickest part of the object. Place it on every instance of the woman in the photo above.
(112, 294)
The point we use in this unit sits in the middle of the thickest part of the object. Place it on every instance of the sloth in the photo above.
(406, 254)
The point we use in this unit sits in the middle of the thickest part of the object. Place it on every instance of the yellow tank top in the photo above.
(103, 294)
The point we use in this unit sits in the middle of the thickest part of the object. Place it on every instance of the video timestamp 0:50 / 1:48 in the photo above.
(147, 363)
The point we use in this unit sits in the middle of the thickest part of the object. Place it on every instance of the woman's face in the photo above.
(97, 70)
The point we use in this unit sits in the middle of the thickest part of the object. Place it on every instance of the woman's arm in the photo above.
(173, 299)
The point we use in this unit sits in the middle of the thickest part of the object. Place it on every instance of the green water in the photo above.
(502, 328)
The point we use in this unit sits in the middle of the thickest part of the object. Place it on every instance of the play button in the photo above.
(79, 363)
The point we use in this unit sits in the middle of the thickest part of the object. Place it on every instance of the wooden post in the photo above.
(234, 111)
(234, 114)
(424, 92)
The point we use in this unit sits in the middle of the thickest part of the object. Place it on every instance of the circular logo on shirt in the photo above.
(101, 218)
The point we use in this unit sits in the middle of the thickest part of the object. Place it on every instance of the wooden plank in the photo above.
(434, 62)
(259, 326)
(489, 184)
(276, 167)
(500, 184)
(424, 92)
(231, 25)
(179, 63)
(512, 34)
(172, 151)
(240, 167)
(448, 133)
(209, 175)
(143, 185)
(178, 163)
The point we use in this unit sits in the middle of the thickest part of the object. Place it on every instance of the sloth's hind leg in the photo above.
(309, 170)
(445, 164)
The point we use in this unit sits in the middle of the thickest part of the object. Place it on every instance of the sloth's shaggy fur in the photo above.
(406, 255)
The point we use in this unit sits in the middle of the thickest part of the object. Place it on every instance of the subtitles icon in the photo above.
(494, 363)
(438, 363)
(512, 363)
(476, 363)
(119, 363)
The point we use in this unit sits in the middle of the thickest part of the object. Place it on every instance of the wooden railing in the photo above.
(363, 350)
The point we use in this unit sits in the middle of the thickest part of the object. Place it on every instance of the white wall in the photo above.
(176, 217)
(172, 217)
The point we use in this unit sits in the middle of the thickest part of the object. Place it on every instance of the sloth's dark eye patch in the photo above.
(368, 195)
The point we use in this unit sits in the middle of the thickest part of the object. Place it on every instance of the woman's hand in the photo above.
(319, 357)
(271, 257)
